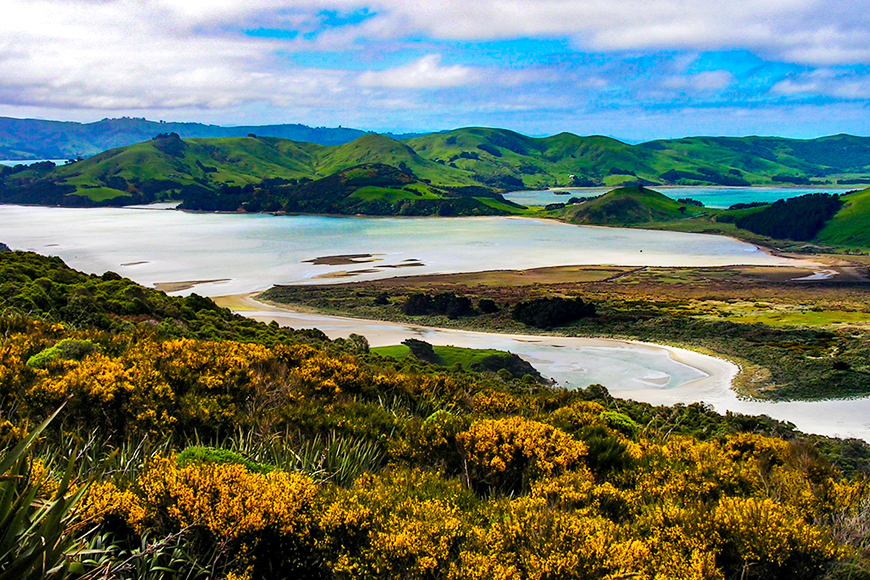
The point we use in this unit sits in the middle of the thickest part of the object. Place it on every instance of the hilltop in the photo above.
(628, 206)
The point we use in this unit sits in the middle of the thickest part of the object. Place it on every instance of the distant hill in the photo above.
(38, 139)
(776, 159)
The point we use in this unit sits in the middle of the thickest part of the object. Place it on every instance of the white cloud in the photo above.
(116, 55)
(425, 73)
(706, 81)
(827, 83)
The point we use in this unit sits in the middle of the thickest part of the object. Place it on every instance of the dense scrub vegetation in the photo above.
(797, 218)
(259, 456)
(551, 311)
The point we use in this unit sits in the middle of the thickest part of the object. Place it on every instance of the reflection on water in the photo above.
(252, 252)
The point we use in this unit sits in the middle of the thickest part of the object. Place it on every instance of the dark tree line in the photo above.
(798, 218)
(446, 304)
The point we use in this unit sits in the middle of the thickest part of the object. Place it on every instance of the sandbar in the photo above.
(185, 284)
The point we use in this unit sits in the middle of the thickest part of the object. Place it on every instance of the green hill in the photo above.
(850, 227)
(628, 206)
(506, 159)
(40, 139)
(168, 166)
(777, 160)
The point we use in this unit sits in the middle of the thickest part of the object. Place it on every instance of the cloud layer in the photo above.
(394, 63)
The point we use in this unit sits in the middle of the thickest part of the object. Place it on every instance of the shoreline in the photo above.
(717, 371)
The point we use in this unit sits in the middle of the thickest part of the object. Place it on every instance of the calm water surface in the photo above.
(253, 252)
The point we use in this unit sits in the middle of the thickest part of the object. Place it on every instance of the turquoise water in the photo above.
(717, 197)
(253, 252)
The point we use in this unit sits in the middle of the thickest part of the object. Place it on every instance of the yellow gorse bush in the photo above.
(509, 453)
(227, 499)
(105, 499)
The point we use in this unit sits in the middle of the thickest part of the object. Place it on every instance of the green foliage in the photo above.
(797, 218)
(200, 455)
(67, 349)
(420, 349)
(37, 537)
(848, 228)
(45, 287)
(620, 422)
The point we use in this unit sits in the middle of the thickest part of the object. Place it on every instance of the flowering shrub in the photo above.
(507, 454)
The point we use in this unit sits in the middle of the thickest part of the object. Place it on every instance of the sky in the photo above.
(632, 69)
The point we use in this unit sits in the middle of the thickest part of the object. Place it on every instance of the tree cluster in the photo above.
(550, 312)
(798, 218)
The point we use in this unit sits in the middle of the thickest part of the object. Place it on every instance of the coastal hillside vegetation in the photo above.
(848, 227)
(145, 436)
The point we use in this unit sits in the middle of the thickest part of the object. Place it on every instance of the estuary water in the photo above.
(244, 253)
(716, 197)
(651, 373)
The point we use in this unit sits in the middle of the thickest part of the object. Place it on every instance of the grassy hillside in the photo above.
(370, 189)
(850, 227)
(168, 166)
(381, 149)
(838, 158)
(506, 159)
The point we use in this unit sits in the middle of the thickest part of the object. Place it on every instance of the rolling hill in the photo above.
(170, 167)
(510, 160)
(628, 206)
(850, 227)
(775, 159)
